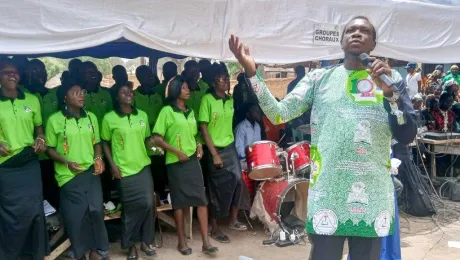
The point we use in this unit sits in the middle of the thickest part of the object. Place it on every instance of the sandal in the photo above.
(149, 250)
(210, 251)
(187, 251)
(238, 226)
(220, 238)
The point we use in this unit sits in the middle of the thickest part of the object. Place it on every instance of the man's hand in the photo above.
(74, 167)
(99, 166)
(243, 55)
(217, 161)
(4, 150)
(199, 151)
(183, 157)
(378, 68)
(116, 173)
(39, 145)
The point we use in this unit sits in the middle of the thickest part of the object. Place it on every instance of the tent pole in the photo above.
(153, 64)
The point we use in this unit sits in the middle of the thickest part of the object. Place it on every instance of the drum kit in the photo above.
(280, 200)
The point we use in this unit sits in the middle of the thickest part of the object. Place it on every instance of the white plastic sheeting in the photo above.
(278, 31)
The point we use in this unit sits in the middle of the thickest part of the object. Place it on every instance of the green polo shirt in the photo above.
(127, 134)
(451, 76)
(196, 96)
(161, 89)
(80, 135)
(151, 104)
(49, 106)
(18, 118)
(99, 102)
(178, 129)
(218, 112)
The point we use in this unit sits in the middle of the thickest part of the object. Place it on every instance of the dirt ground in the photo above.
(421, 239)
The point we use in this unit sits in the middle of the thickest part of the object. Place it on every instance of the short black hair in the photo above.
(5, 62)
(190, 63)
(174, 89)
(360, 17)
(63, 89)
(248, 106)
(142, 68)
(300, 70)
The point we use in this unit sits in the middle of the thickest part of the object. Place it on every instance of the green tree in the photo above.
(54, 66)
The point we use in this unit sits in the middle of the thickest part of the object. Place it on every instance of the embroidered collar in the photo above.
(21, 95)
(122, 114)
(96, 90)
(178, 110)
(217, 97)
(69, 115)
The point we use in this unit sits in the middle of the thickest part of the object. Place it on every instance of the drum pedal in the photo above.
(284, 243)
(269, 242)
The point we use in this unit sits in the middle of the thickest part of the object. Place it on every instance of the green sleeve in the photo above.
(293, 105)
(95, 124)
(160, 125)
(50, 133)
(106, 134)
(205, 110)
(147, 125)
(37, 112)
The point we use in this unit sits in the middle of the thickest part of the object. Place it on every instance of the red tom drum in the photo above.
(299, 156)
(262, 159)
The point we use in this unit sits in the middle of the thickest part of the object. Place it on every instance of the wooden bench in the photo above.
(161, 215)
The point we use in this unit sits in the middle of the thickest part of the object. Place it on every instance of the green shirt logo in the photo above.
(27, 109)
(142, 123)
(362, 89)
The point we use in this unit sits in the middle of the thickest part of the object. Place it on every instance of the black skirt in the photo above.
(22, 218)
(186, 184)
(137, 217)
(226, 186)
(83, 213)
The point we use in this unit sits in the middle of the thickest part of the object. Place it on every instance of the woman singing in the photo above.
(124, 132)
(72, 136)
(175, 132)
(226, 187)
(22, 220)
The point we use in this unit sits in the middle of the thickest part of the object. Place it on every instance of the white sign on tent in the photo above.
(326, 34)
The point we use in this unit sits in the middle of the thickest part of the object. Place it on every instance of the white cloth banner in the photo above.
(278, 31)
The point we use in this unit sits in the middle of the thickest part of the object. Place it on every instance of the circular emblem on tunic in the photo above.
(142, 122)
(362, 89)
(325, 222)
(365, 86)
(382, 224)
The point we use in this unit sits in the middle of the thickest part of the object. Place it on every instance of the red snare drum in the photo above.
(263, 161)
(299, 156)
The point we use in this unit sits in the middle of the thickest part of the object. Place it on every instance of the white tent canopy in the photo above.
(278, 31)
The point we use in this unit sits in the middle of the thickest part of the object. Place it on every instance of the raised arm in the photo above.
(292, 106)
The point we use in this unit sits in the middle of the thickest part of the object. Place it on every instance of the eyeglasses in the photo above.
(77, 93)
(223, 80)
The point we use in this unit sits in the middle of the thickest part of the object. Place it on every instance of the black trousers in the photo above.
(331, 247)
(159, 175)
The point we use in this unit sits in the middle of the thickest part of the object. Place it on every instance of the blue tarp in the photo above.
(120, 48)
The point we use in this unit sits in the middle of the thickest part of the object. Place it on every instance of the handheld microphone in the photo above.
(387, 80)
